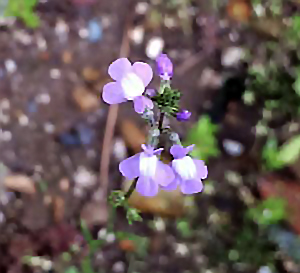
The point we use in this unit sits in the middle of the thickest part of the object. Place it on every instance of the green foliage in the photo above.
(23, 9)
(168, 100)
(71, 269)
(203, 134)
(117, 199)
(287, 154)
(93, 244)
(268, 212)
(184, 227)
(141, 243)
(293, 34)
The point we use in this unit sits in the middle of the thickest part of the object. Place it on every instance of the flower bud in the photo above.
(183, 115)
(164, 67)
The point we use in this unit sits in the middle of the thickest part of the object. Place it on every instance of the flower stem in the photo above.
(161, 121)
(131, 189)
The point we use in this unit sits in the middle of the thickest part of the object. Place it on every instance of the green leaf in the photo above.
(71, 269)
(289, 152)
(203, 134)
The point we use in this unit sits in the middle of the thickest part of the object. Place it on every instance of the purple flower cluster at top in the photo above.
(183, 172)
(130, 82)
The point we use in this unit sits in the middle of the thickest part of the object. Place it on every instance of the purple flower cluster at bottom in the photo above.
(183, 172)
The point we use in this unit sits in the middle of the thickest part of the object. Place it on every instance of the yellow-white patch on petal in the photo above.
(148, 165)
(132, 86)
(185, 167)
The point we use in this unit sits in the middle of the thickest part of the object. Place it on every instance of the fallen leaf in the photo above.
(20, 183)
(90, 74)
(127, 245)
(86, 100)
(133, 136)
(168, 204)
(58, 208)
(239, 10)
(67, 57)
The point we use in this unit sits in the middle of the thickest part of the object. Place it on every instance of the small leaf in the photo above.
(290, 151)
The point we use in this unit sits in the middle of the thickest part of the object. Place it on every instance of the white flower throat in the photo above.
(185, 167)
(148, 165)
(132, 86)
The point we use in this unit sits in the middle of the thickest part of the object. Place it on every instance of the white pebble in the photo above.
(78, 192)
(233, 147)
(49, 128)
(22, 37)
(4, 118)
(141, 8)
(264, 269)
(23, 120)
(110, 238)
(181, 249)
(10, 66)
(41, 43)
(105, 21)
(259, 9)
(61, 28)
(5, 104)
(84, 178)
(36, 261)
(55, 73)
(159, 224)
(102, 234)
(170, 22)
(137, 35)
(6, 136)
(2, 217)
(119, 149)
(46, 265)
(118, 267)
(43, 98)
(232, 56)
(83, 33)
(154, 47)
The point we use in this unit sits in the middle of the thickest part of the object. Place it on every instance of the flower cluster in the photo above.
(149, 172)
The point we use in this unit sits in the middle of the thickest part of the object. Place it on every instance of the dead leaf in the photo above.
(67, 57)
(86, 100)
(20, 183)
(58, 208)
(133, 136)
(168, 204)
(239, 10)
(90, 74)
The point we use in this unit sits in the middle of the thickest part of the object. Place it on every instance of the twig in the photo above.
(112, 118)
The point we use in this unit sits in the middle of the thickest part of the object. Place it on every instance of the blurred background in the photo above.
(236, 63)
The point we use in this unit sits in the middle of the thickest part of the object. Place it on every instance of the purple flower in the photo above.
(183, 115)
(130, 83)
(188, 171)
(152, 173)
(164, 67)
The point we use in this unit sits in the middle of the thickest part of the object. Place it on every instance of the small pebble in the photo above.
(46, 265)
(118, 267)
(84, 178)
(141, 8)
(43, 98)
(181, 249)
(10, 66)
(41, 43)
(119, 149)
(264, 269)
(110, 238)
(232, 56)
(5, 104)
(5, 135)
(159, 224)
(23, 120)
(95, 31)
(22, 37)
(154, 47)
(36, 261)
(55, 73)
(49, 128)
(83, 33)
(61, 30)
(232, 147)
(102, 234)
(137, 35)
(64, 184)
(2, 217)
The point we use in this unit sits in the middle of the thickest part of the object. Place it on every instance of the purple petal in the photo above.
(148, 103)
(189, 148)
(191, 186)
(172, 186)
(178, 151)
(139, 105)
(202, 171)
(164, 174)
(146, 186)
(144, 71)
(118, 68)
(130, 167)
(113, 93)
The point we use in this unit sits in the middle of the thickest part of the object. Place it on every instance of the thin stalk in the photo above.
(131, 189)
